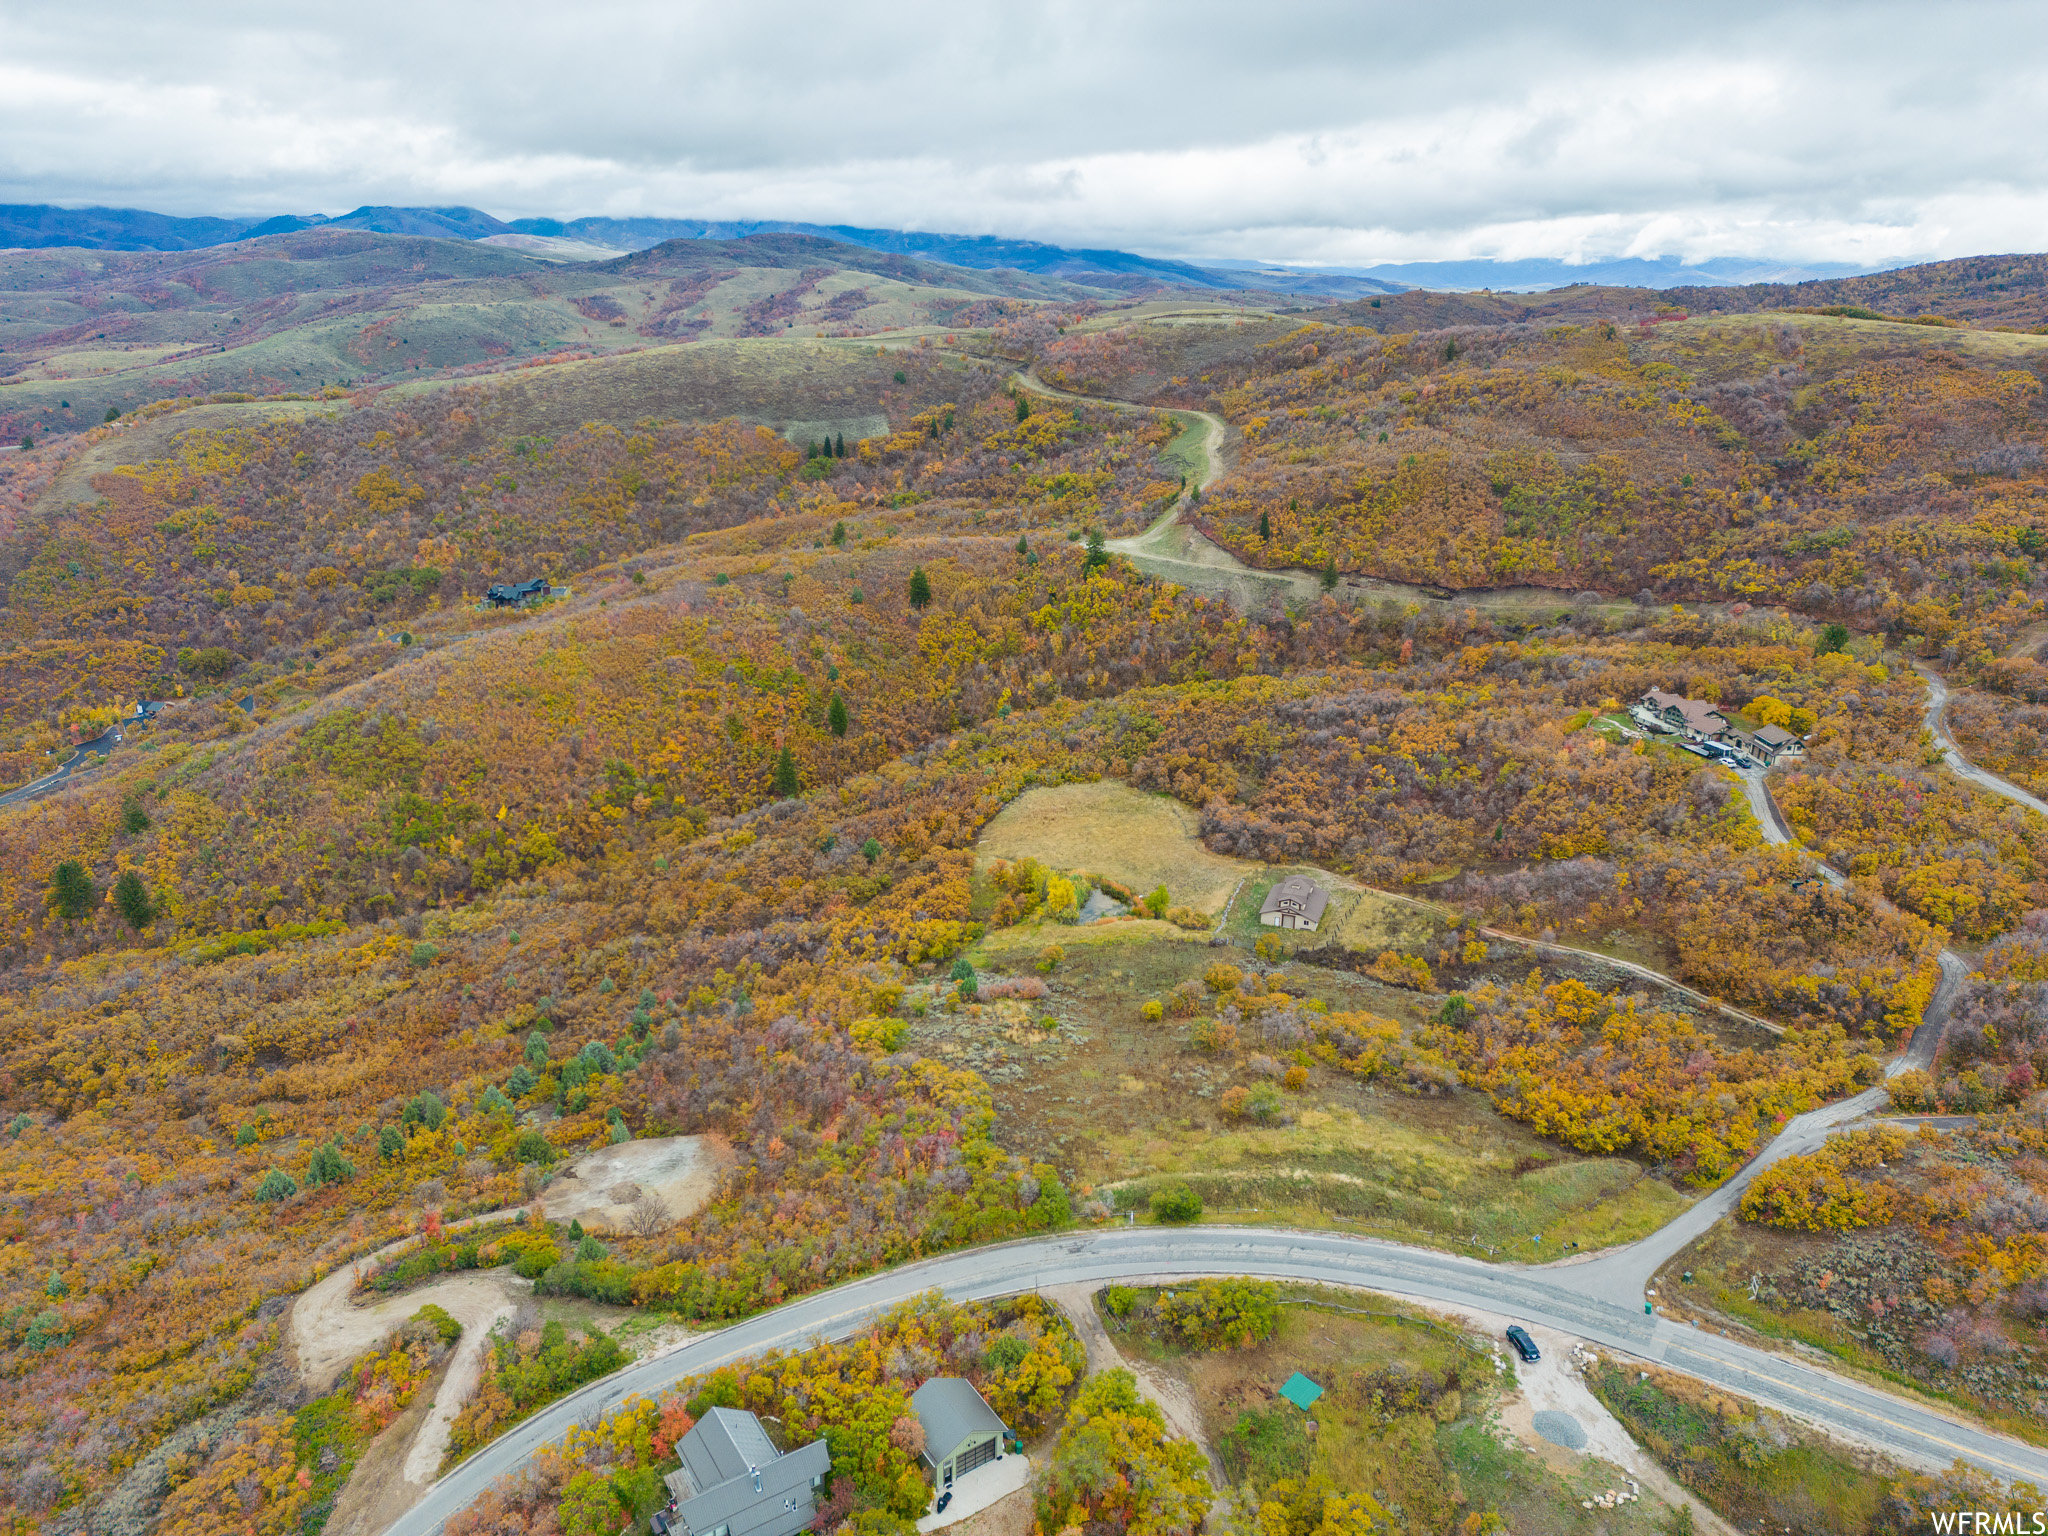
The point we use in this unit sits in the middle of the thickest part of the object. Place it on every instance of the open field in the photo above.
(1128, 1103)
(1106, 828)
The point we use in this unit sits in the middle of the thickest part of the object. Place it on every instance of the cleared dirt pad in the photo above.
(328, 1330)
(1110, 829)
(601, 1188)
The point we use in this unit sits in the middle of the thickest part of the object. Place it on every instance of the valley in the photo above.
(875, 851)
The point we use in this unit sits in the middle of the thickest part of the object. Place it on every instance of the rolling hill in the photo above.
(82, 332)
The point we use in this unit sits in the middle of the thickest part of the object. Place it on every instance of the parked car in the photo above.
(1744, 760)
(1524, 1345)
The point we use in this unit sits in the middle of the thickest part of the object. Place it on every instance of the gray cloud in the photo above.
(1308, 131)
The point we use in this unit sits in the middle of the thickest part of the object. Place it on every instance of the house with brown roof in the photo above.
(1774, 742)
(1695, 717)
(1295, 902)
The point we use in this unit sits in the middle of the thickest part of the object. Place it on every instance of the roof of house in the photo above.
(1296, 891)
(1697, 714)
(730, 1467)
(950, 1410)
(1775, 736)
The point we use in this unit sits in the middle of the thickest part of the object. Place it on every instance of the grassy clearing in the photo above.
(1125, 1103)
(1107, 828)
(1407, 1418)
(1187, 454)
(1336, 1167)
(1759, 1470)
(1367, 921)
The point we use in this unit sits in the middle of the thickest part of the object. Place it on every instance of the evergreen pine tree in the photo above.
(73, 889)
(839, 447)
(1097, 555)
(1023, 544)
(835, 715)
(1023, 409)
(920, 588)
(131, 896)
(786, 785)
(1265, 525)
(1330, 576)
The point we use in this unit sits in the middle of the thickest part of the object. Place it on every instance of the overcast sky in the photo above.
(1297, 130)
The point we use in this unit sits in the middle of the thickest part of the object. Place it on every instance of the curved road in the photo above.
(1599, 1299)
(76, 763)
(1547, 1296)
(1961, 766)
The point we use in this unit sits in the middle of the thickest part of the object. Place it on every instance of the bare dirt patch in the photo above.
(607, 1188)
(1107, 828)
(328, 1329)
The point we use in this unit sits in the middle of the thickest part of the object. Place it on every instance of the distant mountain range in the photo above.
(1542, 275)
(41, 226)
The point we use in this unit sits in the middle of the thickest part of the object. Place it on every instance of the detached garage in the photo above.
(961, 1431)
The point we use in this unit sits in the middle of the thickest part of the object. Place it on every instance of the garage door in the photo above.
(979, 1455)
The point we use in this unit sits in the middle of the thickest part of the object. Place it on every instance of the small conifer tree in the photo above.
(786, 785)
(920, 588)
(72, 890)
(131, 896)
(835, 715)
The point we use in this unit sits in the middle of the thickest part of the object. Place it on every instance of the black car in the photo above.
(1524, 1345)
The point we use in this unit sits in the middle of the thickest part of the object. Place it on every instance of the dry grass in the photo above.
(1109, 829)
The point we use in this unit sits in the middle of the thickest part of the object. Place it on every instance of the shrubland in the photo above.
(1021, 1355)
(457, 895)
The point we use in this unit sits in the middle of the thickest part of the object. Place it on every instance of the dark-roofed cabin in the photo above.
(1296, 902)
(518, 594)
(961, 1432)
(733, 1482)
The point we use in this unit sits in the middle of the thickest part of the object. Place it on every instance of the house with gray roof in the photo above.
(733, 1482)
(1296, 902)
(961, 1431)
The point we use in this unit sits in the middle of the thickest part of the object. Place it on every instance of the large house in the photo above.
(1296, 902)
(518, 594)
(733, 1482)
(961, 1431)
(1694, 717)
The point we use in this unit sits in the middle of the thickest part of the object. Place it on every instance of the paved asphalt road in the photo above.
(1548, 1295)
(78, 762)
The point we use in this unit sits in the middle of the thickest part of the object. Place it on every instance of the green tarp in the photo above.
(1300, 1391)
